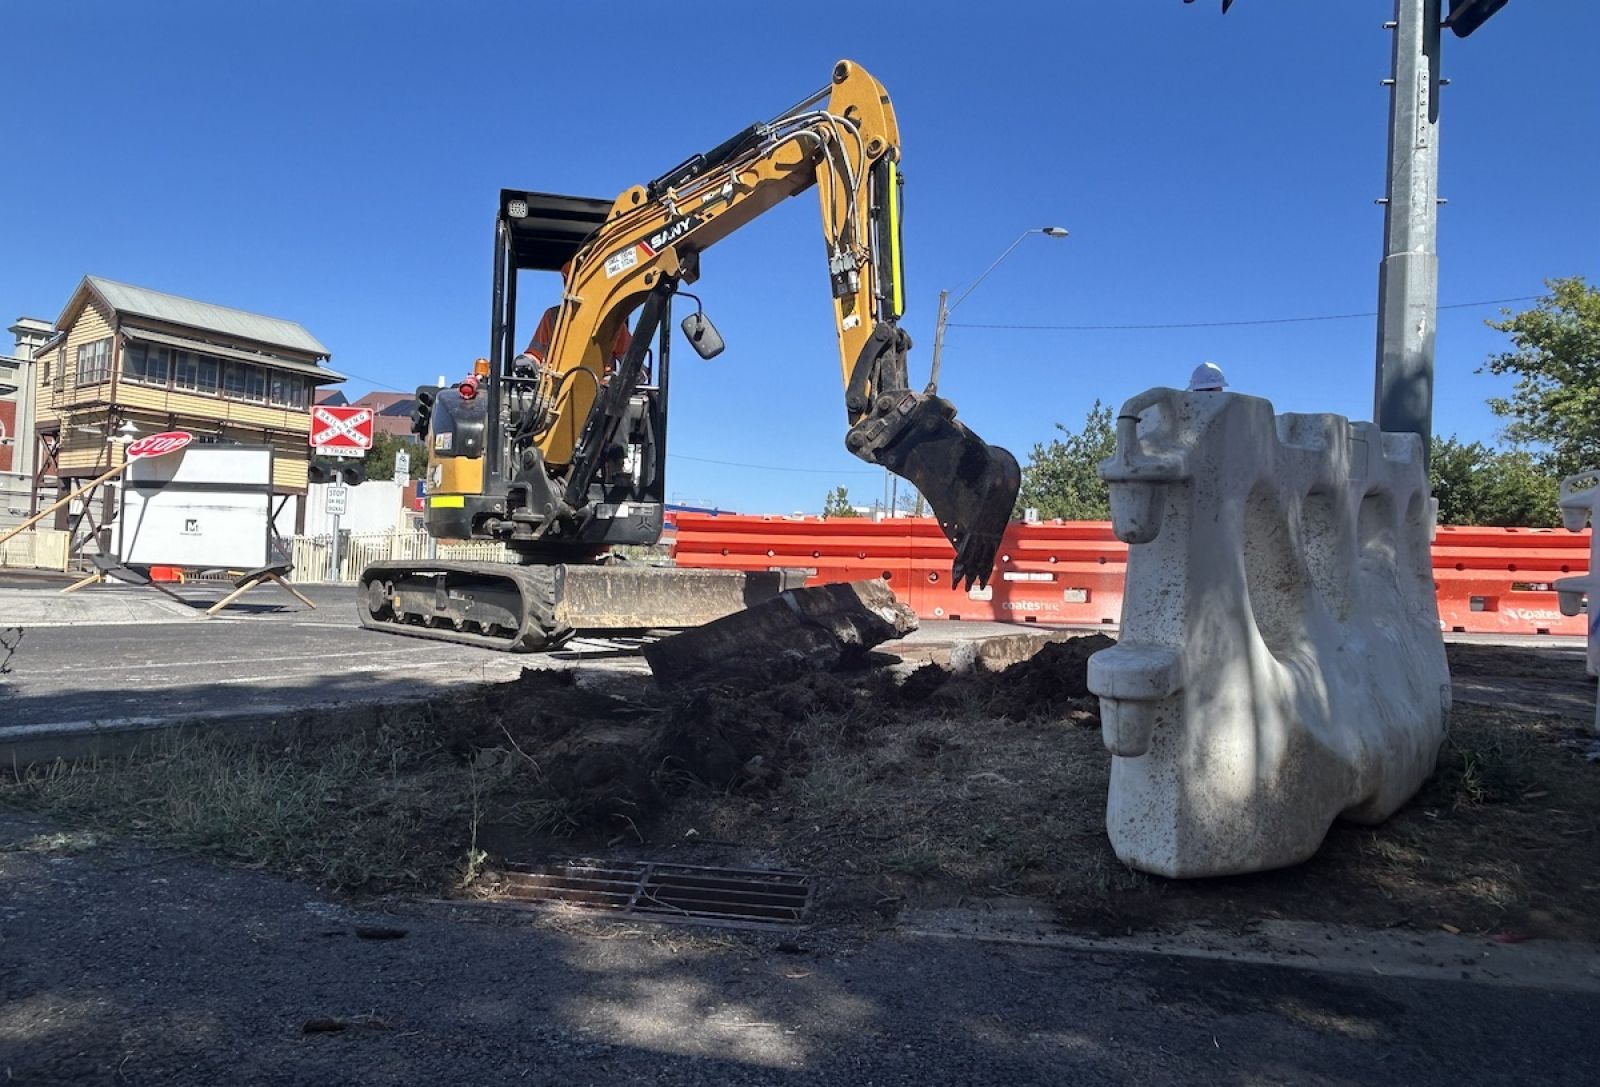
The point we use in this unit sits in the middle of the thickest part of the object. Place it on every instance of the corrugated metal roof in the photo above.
(310, 369)
(144, 302)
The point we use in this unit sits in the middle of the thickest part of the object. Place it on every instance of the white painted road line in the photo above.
(444, 681)
(385, 652)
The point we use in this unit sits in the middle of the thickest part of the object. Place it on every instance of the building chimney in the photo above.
(30, 332)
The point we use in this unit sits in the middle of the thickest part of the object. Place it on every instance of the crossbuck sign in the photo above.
(342, 431)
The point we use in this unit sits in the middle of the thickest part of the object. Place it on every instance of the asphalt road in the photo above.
(130, 967)
(275, 657)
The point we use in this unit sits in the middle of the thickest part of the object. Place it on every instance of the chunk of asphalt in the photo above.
(820, 628)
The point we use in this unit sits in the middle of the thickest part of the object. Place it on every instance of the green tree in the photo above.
(837, 504)
(379, 461)
(1062, 479)
(1477, 485)
(1556, 357)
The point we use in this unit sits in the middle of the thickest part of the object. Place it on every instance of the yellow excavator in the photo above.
(560, 453)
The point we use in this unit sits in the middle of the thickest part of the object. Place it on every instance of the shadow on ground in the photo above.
(137, 967)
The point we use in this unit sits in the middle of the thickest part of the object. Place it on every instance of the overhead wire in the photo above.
(776, 467)
(1225, 324)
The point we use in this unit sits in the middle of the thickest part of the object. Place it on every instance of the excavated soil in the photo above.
(932, 786)
(893, 785)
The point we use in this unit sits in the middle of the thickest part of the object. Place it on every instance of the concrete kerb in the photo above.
(23, 746)
(1303, 945)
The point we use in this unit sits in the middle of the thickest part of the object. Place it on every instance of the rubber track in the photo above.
(535, 585)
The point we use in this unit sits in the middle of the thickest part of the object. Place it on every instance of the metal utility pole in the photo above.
(1408, 278)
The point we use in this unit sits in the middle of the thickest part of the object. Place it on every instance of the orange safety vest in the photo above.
(540, 344)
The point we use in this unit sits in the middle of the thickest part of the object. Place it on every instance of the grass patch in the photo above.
(391, 808)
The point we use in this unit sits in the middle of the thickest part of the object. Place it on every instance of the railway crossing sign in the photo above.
(341, 431)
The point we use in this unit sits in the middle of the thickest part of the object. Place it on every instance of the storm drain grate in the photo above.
(674, 892)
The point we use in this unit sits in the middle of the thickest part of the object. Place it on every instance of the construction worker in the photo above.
(539, 345)
(1207, 378)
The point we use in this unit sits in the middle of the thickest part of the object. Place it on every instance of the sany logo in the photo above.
(156, 445)
(672, 232)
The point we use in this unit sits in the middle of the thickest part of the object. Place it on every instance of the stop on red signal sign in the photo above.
(156, 445)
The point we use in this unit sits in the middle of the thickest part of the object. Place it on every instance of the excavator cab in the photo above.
(487, 477)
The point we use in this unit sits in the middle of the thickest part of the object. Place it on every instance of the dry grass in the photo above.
(942, 800)
(390, 808)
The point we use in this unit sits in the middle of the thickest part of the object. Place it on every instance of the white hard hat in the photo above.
(1207, 377)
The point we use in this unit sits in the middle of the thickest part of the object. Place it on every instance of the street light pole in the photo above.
(938, 340)
(946, 307)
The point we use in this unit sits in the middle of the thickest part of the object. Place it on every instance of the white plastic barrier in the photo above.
(1280, 662)
(1580, 499)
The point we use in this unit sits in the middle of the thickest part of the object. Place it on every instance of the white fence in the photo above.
(39, 549)
(313, 555)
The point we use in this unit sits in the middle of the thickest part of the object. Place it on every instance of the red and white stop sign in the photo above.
(156, 445)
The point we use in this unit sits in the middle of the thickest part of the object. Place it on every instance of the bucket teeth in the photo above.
(971, 485)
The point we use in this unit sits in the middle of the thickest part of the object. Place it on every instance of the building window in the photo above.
(241, 381)
(288, 391)
(94, 362)
(147, 365)
(61, 369)
(186, 370)
(233, 381)
(195, 373)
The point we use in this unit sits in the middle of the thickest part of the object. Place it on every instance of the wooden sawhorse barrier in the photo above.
(109, 569)
(250, 579)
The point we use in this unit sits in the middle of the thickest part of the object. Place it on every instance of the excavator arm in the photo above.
(844, 141)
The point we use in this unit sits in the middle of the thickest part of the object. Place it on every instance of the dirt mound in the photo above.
(720, 738)
(743, 737)
(574, 760)
(1053, 683)
(921, 684)
(1056, 676)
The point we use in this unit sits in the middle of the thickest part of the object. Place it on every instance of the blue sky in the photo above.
(338, 162)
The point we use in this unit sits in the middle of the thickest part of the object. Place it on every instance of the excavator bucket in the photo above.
(971, 485)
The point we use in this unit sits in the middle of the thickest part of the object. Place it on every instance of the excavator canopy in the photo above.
(546, 230)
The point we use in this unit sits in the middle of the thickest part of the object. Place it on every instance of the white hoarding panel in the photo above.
(208, 506)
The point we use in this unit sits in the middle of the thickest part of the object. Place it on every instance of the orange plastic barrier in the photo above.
(1499, 580)
(1057, 573)
(1489, 580)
